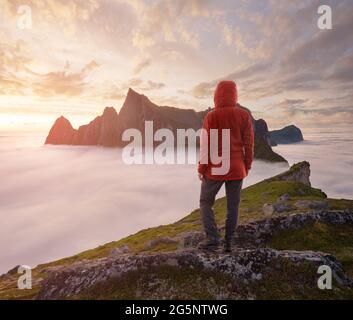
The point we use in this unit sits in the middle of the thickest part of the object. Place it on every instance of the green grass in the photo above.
(253, 198)
(293, 282)
(333, 239)
(9, 290)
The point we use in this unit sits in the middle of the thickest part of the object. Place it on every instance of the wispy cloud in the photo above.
(302, 64)
(63, 82)
(178, 51)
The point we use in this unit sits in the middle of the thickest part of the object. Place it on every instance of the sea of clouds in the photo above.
(56, 201)
(330, 153)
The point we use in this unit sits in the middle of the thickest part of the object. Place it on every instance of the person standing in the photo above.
(227, 116)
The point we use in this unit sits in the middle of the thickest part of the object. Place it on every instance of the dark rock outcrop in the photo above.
(286, 135)
(263, 151)
(261, 129)
(107, 130)
(299, 172)
(312, 204)
(258, 232)
(242, 272)
(263, 148)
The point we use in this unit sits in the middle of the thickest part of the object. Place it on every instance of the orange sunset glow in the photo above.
(79, 56)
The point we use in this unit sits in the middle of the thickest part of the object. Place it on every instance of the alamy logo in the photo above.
(24, 17)
(325, 281)
(325, 20)
(162, 147)
(25, 280)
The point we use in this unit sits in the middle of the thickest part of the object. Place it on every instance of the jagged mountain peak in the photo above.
(62, 119)
(107, 129)
(109, 111)
(132, 92)
(61, 132)
(135, 100)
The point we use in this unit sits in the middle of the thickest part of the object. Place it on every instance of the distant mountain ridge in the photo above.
(286, 135)
(106, 130)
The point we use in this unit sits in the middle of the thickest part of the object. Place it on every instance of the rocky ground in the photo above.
(287, 230)
(190, 274)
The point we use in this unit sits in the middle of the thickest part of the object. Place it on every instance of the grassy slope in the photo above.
(334, 239)
(253, 199)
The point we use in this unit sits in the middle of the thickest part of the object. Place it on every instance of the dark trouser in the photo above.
(209, 190)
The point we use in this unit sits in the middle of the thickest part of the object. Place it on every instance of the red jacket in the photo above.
(228, 115)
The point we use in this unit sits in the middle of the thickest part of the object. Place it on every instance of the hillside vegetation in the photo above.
(333, 239)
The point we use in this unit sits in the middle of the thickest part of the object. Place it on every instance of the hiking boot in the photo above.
(227, 248)
(208, 245)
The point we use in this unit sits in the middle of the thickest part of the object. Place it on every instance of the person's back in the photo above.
(226, 115)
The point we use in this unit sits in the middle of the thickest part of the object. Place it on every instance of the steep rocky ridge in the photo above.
(107, 130)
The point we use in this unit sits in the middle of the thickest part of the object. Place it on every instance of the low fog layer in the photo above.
(56, 201)
(330, 153)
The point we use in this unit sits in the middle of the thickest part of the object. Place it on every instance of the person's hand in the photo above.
(201, 176)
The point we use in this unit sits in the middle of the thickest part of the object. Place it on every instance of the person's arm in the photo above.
(248, 142)
(203, 161)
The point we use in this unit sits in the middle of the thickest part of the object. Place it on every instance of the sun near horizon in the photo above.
(74, 58)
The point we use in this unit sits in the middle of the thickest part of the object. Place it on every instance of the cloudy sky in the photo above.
(82, 55)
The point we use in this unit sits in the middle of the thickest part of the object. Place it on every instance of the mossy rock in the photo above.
(333, 239)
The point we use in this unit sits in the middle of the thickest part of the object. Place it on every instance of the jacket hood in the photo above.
(226, 94)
